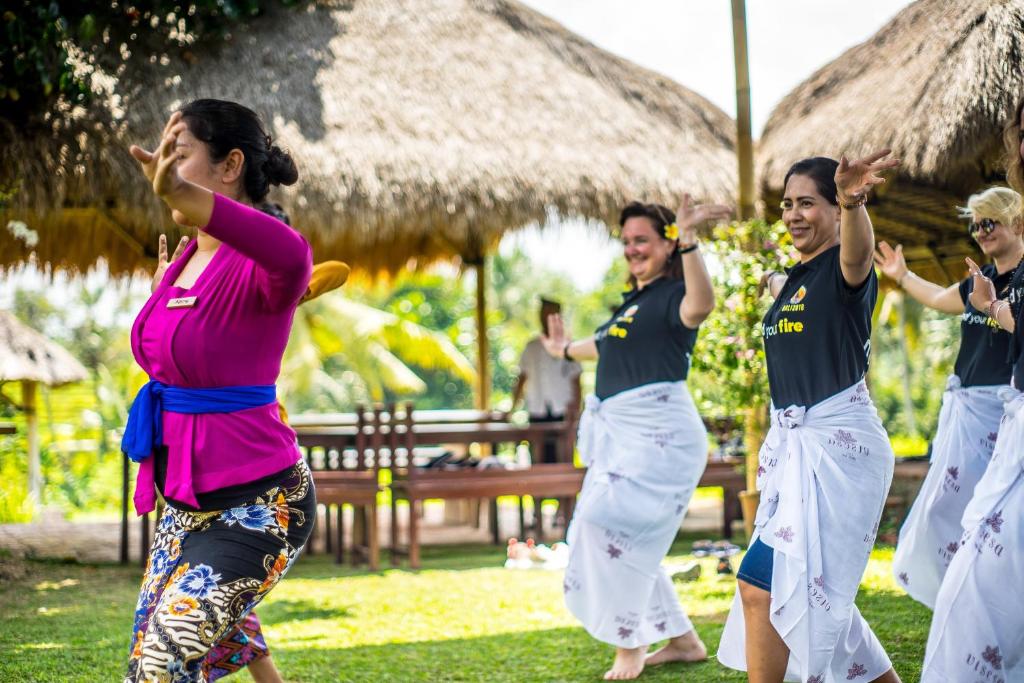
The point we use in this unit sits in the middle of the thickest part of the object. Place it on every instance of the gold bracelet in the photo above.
(859, 200)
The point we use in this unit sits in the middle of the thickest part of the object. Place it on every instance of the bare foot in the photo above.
(629, 663)
(685, 648)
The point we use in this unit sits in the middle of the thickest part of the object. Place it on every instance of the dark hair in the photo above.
(1011, 138)
(660, 216)
(225, 126)
(822, 170)
(276, 210)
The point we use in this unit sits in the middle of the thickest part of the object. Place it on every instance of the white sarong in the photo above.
(824, 475)
(966, 435)
(645, 449)
(977, 632)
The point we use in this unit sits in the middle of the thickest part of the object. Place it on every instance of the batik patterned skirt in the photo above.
(206, 572)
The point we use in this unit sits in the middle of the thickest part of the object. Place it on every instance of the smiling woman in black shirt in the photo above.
(642, 440)
(971, 407)
(825, 467)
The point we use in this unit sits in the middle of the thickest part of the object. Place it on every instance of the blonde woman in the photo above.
(977, 631)
(971, 407)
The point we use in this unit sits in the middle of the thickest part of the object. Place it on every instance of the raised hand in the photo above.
(162, 262)
(556, 339)
(191, 204)
(160, 168)
(690, 215)
(983, 292)
(855, 178)
(890, 261)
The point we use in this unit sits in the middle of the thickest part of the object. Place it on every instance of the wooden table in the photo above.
(8, 428)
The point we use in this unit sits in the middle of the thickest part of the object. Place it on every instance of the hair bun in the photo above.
(280, 167)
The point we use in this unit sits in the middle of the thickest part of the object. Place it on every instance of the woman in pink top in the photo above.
(206, 429)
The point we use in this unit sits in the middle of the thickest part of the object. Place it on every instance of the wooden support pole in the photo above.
(35, 475)
(744, 138)
(483, 390)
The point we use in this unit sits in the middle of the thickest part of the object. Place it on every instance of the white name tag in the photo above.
(182, 302)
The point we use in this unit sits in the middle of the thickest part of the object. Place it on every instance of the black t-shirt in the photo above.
(1016, 299)
(645, 341)
(1018, 366)
(817, 334)
(984, 356)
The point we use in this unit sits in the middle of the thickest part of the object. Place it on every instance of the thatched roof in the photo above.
(27, 355)
(423, 129)
(936, 85)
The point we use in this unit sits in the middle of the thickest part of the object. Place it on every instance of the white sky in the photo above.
(691, 42)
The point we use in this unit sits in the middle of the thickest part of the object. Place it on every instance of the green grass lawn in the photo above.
(461, 618)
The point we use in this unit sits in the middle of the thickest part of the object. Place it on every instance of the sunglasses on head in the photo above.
(985, 226)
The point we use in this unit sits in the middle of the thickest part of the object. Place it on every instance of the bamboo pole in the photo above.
(35, 477)
(483, 389)
(754, 422)
(744, 139)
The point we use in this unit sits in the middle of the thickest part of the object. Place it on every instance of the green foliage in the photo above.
(78, 423)
(728, 362)
(50, 50)
(933, 339)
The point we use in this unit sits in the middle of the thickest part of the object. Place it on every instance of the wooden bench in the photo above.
(349, 476)
(559, 480)
(415, 484)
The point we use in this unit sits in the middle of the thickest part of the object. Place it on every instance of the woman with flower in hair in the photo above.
(977, 631)
(642, 441)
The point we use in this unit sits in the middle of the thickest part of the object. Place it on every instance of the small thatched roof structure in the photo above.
(26, 355)
(936, 85)
(423, 129)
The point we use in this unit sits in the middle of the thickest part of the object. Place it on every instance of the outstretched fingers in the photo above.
(973, 267)
(180, 249)
(141, 155)
(875, 156)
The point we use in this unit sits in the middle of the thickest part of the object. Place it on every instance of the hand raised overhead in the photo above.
(690, 215)
(854, 178)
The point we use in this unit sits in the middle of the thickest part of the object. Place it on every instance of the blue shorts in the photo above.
(756, 567)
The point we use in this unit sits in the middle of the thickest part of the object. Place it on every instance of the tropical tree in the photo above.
(342, 352)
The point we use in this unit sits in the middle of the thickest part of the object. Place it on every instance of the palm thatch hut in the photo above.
(424, 130)
(936, 85)
(28, 357)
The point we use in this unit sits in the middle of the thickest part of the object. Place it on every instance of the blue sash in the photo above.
(144, 431)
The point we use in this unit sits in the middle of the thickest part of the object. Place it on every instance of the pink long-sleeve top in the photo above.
(235, 334)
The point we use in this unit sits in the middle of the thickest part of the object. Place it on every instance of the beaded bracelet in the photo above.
(859, 200)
